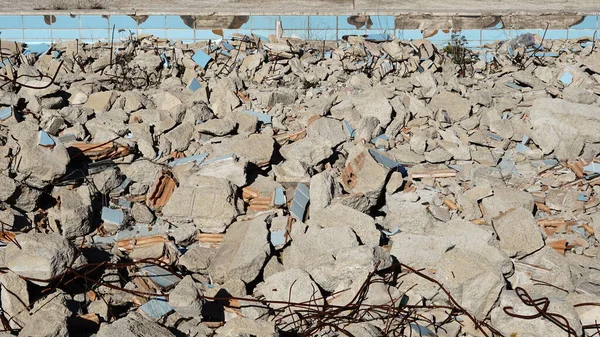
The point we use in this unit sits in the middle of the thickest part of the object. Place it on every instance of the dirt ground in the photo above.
(314, 7)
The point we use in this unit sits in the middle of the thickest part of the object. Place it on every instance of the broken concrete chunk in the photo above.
(134, 325)
(518, 232)
(242, 253)
(505, 198)
(210, 203)
(308, 151)
(186, 298)
(328, 131)
(100, 101)
(456, 107)
(322, 190)
(216, 127)
(257, 148)
(294, 285)
(338, 215)
(74, 212)
(563, 127)
(40, 257)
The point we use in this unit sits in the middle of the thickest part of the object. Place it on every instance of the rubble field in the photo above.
(281, 187)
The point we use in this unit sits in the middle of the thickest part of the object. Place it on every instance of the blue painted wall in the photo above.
(92, 28)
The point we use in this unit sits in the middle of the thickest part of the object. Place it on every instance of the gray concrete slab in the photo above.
(314, 7)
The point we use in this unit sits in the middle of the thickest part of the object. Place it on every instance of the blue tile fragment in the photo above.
(279, 199)
(194, 85)
(38, 49)
(159, 276)
(387, 162)
(156, 308)
(277, 238)
(522, 148)
(382, 136)
(198, 159)
(201, 58)
(227, 46)
(592, 167)
(583, 197)
(513, 85)
(45, 140)
(113, 216)
(301, 198)
(495, 136)
(350, 131)
(566, 78)
(262, 117)
(5, 113)
(165, 62)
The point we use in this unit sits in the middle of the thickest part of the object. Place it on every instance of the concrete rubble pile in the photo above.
(153, 188)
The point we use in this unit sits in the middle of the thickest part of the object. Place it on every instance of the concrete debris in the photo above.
(186, 298)
(40, 257)
(199, 188)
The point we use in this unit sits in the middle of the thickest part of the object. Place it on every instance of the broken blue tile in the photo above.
(513, 85)
(122, 187)
(421, 330)
(113, 216)
(227, 45)
(390, 233)
(197, 158)
(525, 139)
(301, 198)
(381, 136)
(522, 148)
(277, 238)
(194, 85)
(350, 131)
(507, 167)
(495, 136)
(156, 308)
(56, 54)
(566, 78)
(511, 52)
(165, 62)
(262, 117)
(124, 203)
(138, 231)
(163, 278)
(99, 166)
(216, 159)
(38, 49)
(592, 167)
(5, 113)
(582, 197)
(5, 63)
(387, 162)
(279, 199)
(328, 54)
(487, 58)
(456, 168)
(45, 139)
(201, 58)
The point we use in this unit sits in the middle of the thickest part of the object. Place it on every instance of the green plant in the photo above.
(459, 53)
